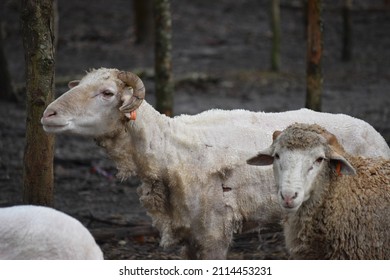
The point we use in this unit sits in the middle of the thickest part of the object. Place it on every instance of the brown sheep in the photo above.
(336, 206)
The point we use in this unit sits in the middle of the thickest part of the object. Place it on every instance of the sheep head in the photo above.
(302, 157)
(96, 104)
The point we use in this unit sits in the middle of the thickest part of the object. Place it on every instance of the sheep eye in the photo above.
(107, 93)
(319, 160)
(276, 156)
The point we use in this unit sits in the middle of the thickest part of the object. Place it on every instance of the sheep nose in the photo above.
(289, 198)
(49, 113)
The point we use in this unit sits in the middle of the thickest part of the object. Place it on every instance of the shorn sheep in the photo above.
(337, 206)
(196, 185)
(30, 232)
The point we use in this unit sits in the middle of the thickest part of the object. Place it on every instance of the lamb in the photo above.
(329, 215)
(37, 232)
(196, 185)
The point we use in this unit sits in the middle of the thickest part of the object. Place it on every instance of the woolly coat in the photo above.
(348, 218)
(196, 185)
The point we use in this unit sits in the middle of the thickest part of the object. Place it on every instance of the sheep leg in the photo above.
(216, 244)
(218, 251)
(209, 250)
(189, 251)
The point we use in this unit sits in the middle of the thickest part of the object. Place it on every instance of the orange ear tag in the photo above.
(133, 115)
(338, 168)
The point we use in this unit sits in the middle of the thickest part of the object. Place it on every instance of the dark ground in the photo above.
(225, 44)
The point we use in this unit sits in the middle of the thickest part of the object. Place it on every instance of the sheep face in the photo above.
(94, 105)
(302, 161)
(296, 171)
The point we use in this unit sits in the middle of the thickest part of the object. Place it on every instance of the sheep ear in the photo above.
(74, 83)
(126, 99)
(263, 158)
(341, 165)
(126, 95)
(276, 134)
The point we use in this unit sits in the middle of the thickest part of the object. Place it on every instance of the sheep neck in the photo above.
(139, 147)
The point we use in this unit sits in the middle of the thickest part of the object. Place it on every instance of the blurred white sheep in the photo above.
(30, 232)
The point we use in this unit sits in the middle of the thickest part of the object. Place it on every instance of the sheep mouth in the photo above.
(54, 128)
(290, 208)
(50, 126)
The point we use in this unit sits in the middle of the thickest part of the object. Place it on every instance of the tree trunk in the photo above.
(275, 27)
(304, 17)
(37, 21)
(6, 88)
(143, 20)
(314, 79)
(163, 58)
(56, 20)
(347, 31)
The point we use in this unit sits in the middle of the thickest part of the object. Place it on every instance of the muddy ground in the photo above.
(220, 60)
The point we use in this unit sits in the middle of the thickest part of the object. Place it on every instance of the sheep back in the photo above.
(36, 232)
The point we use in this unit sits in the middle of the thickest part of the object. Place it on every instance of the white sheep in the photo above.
(196, 185)
(37, 232)
(328, 214)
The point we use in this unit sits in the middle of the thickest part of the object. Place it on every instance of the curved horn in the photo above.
(131, 103)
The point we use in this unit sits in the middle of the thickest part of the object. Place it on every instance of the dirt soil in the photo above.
(221, 54)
